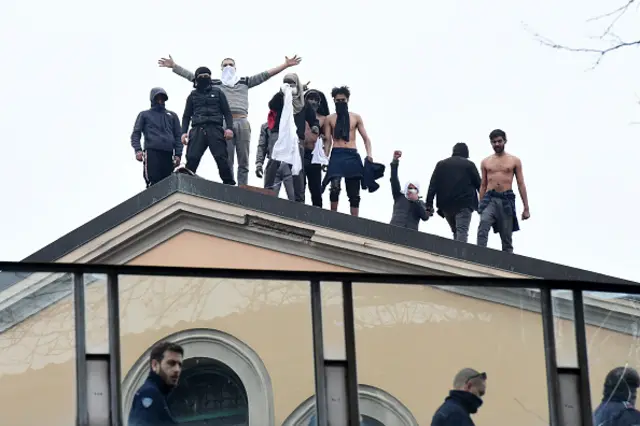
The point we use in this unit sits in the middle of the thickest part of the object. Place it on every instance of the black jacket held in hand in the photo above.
(455, 183)
(207, 106)
(160, 127)
(406, 213)
(457, 409)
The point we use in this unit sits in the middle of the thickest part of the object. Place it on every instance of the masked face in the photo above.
(228, 72)
(203, 81)
(314, 102)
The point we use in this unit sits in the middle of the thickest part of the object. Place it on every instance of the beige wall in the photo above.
(411, 340)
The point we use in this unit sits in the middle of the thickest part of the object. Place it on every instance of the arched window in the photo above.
(209, 394)
(377, 408)
(234, 382)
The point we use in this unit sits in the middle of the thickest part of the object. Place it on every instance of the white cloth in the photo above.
(411, 182)
(319, 156)
(286, 147)
(229, 77)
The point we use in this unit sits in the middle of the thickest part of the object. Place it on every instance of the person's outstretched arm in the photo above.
(260, 78)
(182, 72)
(396, 191)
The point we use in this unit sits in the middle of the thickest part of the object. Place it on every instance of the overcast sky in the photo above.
(424, 75)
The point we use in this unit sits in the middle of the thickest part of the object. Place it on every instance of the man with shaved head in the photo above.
(469, 386)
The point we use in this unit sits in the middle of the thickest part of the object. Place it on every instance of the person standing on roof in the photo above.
(161, 129)
(619, 399)
(408, 208)
(497, 201)
(303, 115)
(149, 406)
(455, 181)
(268, 138)
(236, 90)
(469, 386)
(340, 144)
(207, 109)
(314, 145)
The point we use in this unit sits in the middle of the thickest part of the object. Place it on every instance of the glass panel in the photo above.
(333, 321)
(247, 345)
(96, 313)
(37, 349)
(412, 341)
(564, 328)
(613, 344)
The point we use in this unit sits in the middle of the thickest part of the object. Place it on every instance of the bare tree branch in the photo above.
(614, 41)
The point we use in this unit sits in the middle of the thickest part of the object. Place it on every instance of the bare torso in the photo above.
(353, 124)
(310, 138)
(500, 170)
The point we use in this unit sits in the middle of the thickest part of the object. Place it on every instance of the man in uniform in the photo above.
(149, 406)
(497, 207)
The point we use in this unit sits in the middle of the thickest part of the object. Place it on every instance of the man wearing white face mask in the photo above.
(236, 90)
(408, 208)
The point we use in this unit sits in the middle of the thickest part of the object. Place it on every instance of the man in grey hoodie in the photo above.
(236, 90)
(161, 130)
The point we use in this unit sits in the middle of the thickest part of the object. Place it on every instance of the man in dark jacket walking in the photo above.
(207, 109)
(455, 182)
(469, 386)
(619, 399)
(161, 130)
(408, 208)
(149, 406)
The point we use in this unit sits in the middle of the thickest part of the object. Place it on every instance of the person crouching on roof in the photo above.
(302, 114)
(408, 208)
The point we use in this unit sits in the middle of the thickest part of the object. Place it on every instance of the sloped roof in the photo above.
(179, 183)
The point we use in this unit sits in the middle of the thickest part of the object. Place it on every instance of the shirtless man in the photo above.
(497, 201)
(340, 142)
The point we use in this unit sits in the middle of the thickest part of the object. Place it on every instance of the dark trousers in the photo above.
(459, 222)
(157, 165)
(313, 174)
(353, 190)
(209, 136)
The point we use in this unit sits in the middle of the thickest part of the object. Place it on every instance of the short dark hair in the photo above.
(342, 90)
(497, 133)
(158, 350)
(228, 59)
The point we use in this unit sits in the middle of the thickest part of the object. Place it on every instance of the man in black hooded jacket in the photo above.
(207, 109)
(469, 386)
(455, 182)
(619, 399)
(161, 130)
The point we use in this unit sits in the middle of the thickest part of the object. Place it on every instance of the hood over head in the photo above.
(461, 150)
(298, 99)
(410, 182)
(323, 108)
(155, 92)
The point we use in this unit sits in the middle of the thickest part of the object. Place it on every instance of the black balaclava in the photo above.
(460, 150)
(322, 107)
(200, 82)
(341, 130)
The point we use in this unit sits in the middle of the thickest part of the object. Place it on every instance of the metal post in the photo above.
(318, 354)
(79, 309)
(113, 307)
(583, 359)
(350, 347)
(551, 362)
